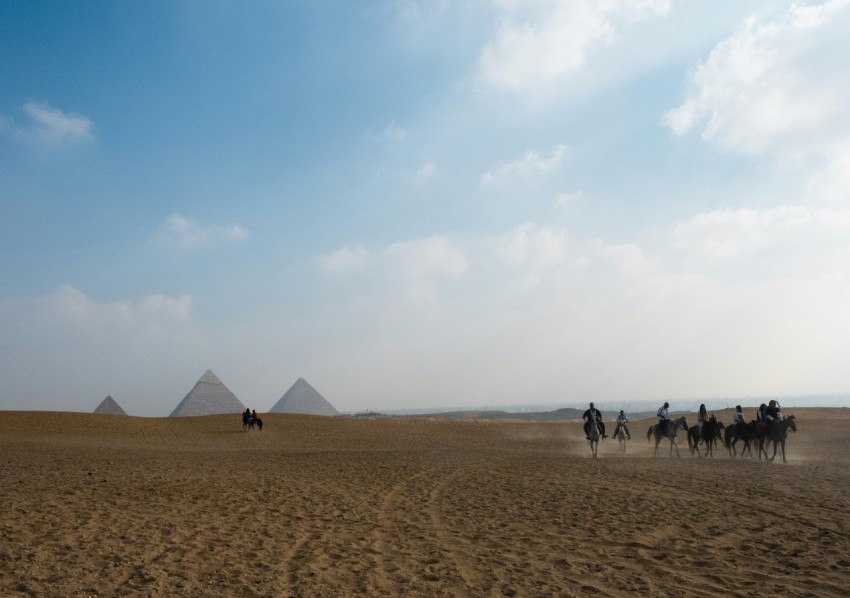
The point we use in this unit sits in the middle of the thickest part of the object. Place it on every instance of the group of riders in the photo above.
(767, 413)
(249, 417)
(594, 417)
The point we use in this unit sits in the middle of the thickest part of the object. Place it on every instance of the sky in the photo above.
(418, 204)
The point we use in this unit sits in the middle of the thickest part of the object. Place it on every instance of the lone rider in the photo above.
(662, 417)
(622, 422)
(591, 415)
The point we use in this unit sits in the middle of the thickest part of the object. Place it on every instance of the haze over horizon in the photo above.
(412, 203)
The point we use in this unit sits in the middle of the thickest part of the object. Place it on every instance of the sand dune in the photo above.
(108, 505)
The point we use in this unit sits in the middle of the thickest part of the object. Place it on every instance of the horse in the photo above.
(620, 435)
(777, 434)
(248, 423)
(712, 430)
(744, 432)
(593, 435)
(672, 428)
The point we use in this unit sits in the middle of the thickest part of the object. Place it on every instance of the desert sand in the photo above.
(107, 505)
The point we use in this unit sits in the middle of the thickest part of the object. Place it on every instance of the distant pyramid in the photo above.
(209, 396)
(303, 398)
(109, 407)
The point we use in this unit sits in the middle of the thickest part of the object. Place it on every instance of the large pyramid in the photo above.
(209, 396)
(303, 398)
(108, 406)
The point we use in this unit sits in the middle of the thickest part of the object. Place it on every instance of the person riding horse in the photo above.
(622, 425)
(771, 414)
(702, 417)
(760, 413)
(246, 417)
(662, 418)
(738, 416)
(591, 415)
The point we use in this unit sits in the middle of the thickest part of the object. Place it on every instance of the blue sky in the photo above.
(416, 204)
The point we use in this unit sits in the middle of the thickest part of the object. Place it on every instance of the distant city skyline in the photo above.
(413, 204)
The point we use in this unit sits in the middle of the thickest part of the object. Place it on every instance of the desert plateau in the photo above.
(104, 505)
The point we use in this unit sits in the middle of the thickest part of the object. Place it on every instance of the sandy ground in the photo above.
(110, 506)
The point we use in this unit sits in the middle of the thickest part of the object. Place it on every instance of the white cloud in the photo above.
(179, 231)
(234, 233)
(48, 126)
(424, 259)
(772, 88)
(543, 41)
(724, 234)
(415, 267)
(392, 132)
(72, 305)
(564, 199)
(532, 246)
(530, 166)
(426, 172)
(608, 321)
(346, 259)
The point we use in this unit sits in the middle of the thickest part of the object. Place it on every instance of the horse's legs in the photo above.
(774, 451)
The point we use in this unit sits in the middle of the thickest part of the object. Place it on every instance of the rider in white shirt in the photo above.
(738, 416)
(622, 422)
(662, 417)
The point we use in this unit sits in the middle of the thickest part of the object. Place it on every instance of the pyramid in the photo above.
(108, 406)
(303, 398)
(209, 396)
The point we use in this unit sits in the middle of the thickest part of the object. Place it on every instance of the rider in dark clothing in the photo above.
(771, 414)
(588, 416)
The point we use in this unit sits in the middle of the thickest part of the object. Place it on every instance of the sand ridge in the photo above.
(312, 506)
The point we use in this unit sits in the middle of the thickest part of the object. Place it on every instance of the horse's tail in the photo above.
(649, 433)
(690, 440)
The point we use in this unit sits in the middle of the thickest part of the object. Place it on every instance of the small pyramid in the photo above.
(108, 406)
(208, 397)
(303, 398)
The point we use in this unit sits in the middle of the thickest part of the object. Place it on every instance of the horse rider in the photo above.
(738, 416)
(622, 422)
(702, 417)
(593, 414)
(662, 417)
(246, 417)
(254, 415)
(771, 414)
(760, 413)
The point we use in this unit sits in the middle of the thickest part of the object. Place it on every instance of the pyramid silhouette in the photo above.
(108, 406)
(303, 398)
(208, 397)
